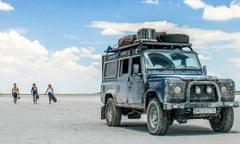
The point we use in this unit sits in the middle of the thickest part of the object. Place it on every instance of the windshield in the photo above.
(173, 59)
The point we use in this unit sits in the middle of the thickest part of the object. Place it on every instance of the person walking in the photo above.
(50, 93)
(35, 94)
(15, 93)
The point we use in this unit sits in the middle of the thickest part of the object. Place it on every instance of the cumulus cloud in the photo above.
(111, 31)
(200, 38)
(216, 13)
(195, 4)
(236, 61)
(203, 57)
(111, 28)
(155, 2)
(24, 61)
(5, 6)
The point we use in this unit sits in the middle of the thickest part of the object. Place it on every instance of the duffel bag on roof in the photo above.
(129, 39)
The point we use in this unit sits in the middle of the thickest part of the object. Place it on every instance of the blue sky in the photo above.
(61, 41)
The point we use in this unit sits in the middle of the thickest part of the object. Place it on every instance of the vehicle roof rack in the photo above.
(165, 45)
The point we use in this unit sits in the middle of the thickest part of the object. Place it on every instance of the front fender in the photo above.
(110, 93)
(153, 93)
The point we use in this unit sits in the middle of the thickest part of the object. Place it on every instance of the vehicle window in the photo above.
(159, 60)
(110, 70)
(172, 59)
(124, 66)
(136, 61)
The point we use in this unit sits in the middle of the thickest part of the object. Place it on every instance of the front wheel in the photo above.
(224, 121)
(112, 113)
(157, 118)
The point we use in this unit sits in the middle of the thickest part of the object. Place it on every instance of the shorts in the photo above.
(50, 94)
(14, 95)
(34, 93)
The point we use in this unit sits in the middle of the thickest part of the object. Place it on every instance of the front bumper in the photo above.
(170, 106)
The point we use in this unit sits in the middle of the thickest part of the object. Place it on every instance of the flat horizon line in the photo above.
(67, 93)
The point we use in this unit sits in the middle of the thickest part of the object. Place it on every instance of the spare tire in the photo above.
(175, 38)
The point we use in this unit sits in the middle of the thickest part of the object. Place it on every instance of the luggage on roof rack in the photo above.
(159, 36)
(149, 35)
(146, 34)
(129, 39)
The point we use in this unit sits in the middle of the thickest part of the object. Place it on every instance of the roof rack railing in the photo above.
(149, 36)
(169, 46)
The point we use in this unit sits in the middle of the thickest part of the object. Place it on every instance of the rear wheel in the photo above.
(112, 113)
(223, 122)
(157, 118)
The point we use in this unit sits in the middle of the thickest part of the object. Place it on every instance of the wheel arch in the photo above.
(150, 95)
(110, 94)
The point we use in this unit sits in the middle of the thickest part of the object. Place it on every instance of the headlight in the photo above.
(176, 92)
(209, 90)
(227, 88)
(175, 89)
(198, 90)
(224, 89)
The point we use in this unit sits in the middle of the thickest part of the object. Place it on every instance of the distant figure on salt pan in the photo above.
(15, 93)
(35, 94)
(50, 93)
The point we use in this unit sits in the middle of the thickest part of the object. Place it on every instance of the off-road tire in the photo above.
(175, 38)
(157, 118)
(112, 113)
(224, 122)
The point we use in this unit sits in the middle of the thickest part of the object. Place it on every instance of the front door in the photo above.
(136, 89)
(123, 87)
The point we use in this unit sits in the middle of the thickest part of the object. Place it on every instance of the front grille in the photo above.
(203, 96)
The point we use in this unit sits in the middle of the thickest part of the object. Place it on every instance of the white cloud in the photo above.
(216, 13)
(111, 28)
(24, 61)
(5, 6)
(155, 2)
(203, 57)
(195, 4)
(235, 61)
(21, 31)
(111, 32)
(205, 39)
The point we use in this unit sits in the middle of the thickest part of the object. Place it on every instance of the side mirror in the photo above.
(136, 68)
(204, 70)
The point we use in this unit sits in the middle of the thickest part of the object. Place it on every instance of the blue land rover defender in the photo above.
(160, 75)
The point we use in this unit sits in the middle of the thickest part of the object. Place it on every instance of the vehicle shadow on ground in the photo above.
(175, 129)
(192, 130)
(136, 126)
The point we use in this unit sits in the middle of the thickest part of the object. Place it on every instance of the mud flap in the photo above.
(103, 112)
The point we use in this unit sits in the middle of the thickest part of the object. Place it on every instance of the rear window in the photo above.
(110, 70)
